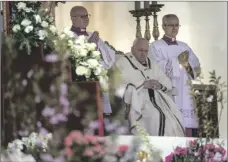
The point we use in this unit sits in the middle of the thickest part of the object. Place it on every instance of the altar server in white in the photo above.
(80, 21)
(143, 86)
(180, 64)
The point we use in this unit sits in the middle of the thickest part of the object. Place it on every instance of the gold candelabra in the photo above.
(137, 14)
(147, 11)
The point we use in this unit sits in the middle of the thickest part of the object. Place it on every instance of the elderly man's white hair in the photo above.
(168, 17)
(137, 40)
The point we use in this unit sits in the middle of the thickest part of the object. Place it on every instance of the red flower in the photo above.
(122, 150)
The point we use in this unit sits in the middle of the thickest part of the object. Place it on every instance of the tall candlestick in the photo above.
(146, 4)
(137, 5)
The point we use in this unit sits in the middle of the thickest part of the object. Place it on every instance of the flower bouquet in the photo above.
(196, 152)
(79, 147)
(29, 23)
(27, 149)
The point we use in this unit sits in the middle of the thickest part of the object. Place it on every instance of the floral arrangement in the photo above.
(79, 147)
(84, 56)
(29, 23)
(195, 152)
(27, 148)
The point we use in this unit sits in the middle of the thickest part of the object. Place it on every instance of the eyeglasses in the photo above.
(83, 16)
(173, 25)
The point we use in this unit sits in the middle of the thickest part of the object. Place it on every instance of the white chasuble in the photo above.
(155, 111)
(108, 56)
(167, 57)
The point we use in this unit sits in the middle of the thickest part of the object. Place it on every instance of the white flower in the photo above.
(96, 54)
(98, 71)
(210, 98)
(82, 52)
(92, 63)
(28, 9)
(21, 5)
(197, 92)
(16, 28)
(71, 43)
(51, 19)
(26, 22)
(28, 29)
(81, 70)
(68, 32)
(91, 46)
(42, 34)
(44, 24)
(53, 29)
(80, 40)
(37, 18)
(62, 36)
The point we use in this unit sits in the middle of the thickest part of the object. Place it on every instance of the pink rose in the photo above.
(88, 152)
(122, 149)
(91, 139)
(169, 158)
(68, 141)
(97, 148)
(68, 152)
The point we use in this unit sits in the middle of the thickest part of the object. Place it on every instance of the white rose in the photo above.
(51, 19)
(37, 18)
(96, 54)
(210, 98)
(82, 52)
(26, 22)
(91, 46)
(16, 28)
(21, 5)
(53, 29)
(98, 71)
(92, 63)
(28, 10)
(83, 63)
(88, 73)
(28, 29)
(68, 32)
(70, 43)
(81, 40)
(81, 70)
(62, 36)
(44, 24)
(42, 34)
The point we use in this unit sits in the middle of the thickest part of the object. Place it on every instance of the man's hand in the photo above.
(94, 37)
(152, 84)
(183, 58)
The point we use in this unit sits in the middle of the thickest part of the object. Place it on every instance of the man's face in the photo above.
(80, 18)
(171, 27)
(140, 51)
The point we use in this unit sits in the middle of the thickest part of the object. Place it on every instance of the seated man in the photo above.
(143, 87)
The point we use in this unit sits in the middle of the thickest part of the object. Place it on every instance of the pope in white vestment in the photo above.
(143, 87)
(180, 64)
(80, 20)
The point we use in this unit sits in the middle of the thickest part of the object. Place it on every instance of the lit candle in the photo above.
(146, 4)
(137, 5)
(154, 2)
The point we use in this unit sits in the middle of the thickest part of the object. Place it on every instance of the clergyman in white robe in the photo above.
(165, 52)
(155, 111)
